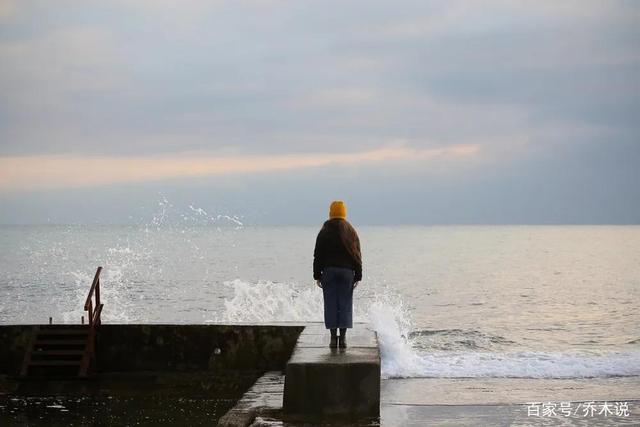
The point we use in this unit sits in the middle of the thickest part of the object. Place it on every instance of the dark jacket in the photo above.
(330, 251)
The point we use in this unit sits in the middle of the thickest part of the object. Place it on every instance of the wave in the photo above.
(457, 339)
(408, 353)
(517, 364)
(266, 301)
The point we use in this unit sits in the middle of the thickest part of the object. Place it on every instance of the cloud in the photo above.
(127, 91)
(61, 62)
(43, 172)
(134, 78)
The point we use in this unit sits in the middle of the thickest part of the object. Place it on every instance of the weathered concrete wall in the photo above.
(194, 347)
(14, 339)
(172, 348)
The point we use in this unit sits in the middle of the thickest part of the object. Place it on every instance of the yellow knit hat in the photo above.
(337, 210)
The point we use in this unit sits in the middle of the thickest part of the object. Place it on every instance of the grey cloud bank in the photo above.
(548, 90)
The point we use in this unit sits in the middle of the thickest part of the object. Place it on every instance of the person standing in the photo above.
(337, 269)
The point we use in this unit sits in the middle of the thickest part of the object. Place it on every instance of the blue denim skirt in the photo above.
(337, 289)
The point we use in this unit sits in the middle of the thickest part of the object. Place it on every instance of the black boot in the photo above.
(334, 339)
(334, 342)
(342, 341)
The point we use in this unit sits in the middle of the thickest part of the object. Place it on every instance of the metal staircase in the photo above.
(65, 351)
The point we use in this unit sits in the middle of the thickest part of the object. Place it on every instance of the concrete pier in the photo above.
(320, 381)
(299, 378)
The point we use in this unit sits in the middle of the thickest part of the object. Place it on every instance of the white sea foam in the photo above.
(265, 302)
(516, 364)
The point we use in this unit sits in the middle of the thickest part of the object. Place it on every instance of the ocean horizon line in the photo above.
(314, 224)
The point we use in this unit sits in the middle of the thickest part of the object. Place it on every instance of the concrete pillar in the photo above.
(324, 382)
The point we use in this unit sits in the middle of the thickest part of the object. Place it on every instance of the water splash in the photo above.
(134, 270)
(121, 273)
(392, 323)
(74, 311)
(386, 313)
(265, 302)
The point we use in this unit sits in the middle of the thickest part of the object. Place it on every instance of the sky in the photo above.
(412, 112)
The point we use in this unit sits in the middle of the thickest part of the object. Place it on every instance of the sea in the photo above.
(482, 317)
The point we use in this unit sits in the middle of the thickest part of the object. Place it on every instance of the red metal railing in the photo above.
(93, 315)
(93, 311)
